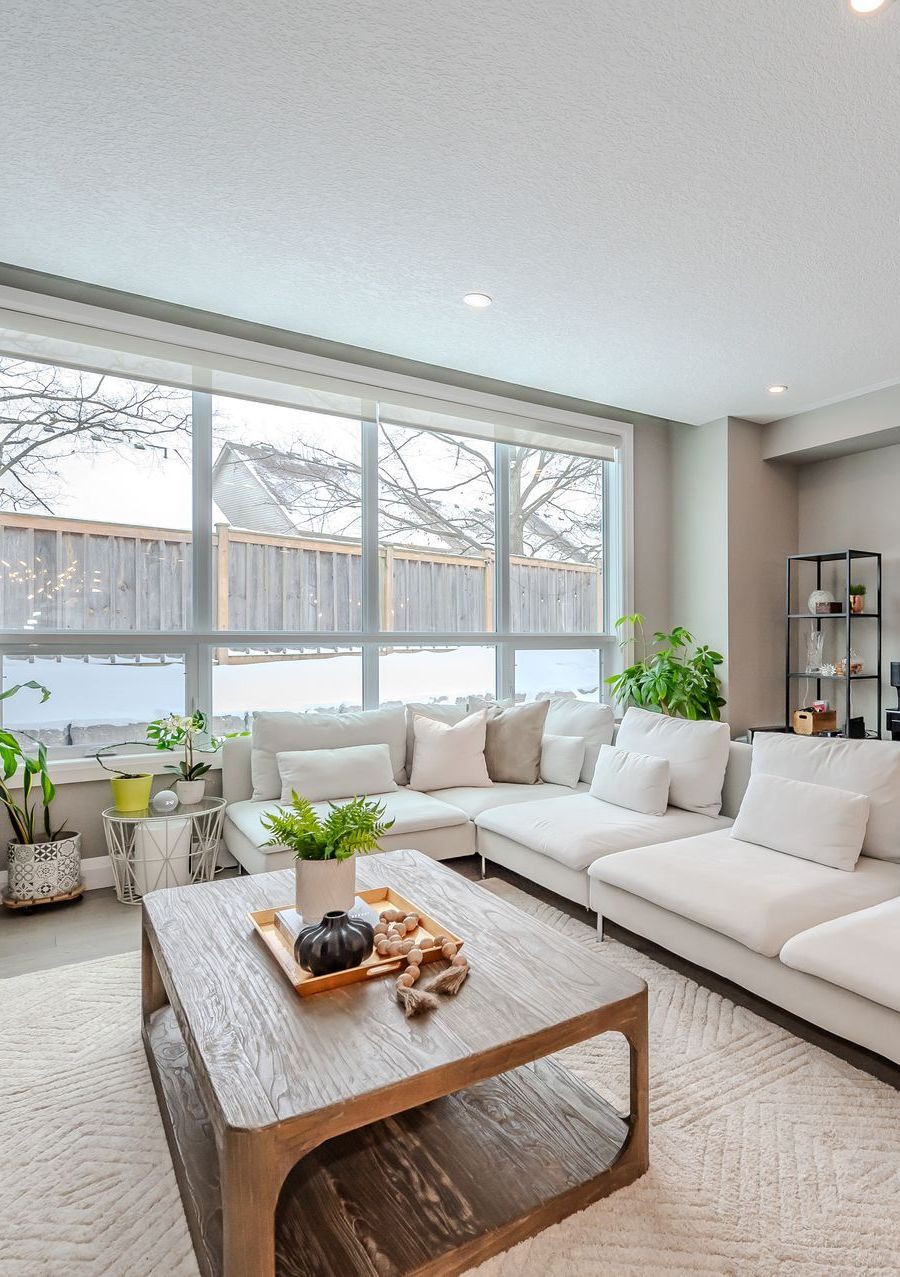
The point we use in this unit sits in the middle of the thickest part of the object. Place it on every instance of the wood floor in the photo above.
(98, 926)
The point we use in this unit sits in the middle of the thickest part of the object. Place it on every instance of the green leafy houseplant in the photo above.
(674, 674)
(38, 790)
(858, 589)
(351, 830)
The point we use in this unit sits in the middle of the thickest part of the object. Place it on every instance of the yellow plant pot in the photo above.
(131, 793)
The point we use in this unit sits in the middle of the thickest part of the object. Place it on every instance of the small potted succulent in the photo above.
(857, 598)
(44, 864)
(326, 850)
(182, 731)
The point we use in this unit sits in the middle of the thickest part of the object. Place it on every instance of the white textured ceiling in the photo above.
(673, 204)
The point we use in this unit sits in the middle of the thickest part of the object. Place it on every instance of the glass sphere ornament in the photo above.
(819, 597)
(164, 802)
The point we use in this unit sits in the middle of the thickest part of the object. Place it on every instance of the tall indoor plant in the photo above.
(326, 850)
(44, 858)
(672, 674)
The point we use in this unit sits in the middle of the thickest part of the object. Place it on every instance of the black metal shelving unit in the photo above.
(847, 558)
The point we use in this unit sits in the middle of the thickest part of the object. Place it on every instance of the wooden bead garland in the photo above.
(393, 939)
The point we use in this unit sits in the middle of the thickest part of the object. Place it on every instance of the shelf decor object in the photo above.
(842, 655)
(149, 850)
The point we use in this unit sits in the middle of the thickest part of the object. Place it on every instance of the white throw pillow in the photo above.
(870, 767)
(639, 782)
(318, 774)
(275, 732)
(697, 754)
(593, 722)
(440, 711)
(449, 755)
(814, 822)
(562, 758)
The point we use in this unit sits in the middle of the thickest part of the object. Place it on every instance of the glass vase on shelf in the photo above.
(815, 651)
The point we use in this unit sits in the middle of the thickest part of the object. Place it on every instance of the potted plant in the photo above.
(857, 598)
(326, 850)
(130, 790)
(181, 731)
(41, 868)
(675, 676)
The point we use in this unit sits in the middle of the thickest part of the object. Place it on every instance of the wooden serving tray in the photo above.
(374, 966)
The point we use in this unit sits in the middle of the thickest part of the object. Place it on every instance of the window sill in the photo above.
(76, 771)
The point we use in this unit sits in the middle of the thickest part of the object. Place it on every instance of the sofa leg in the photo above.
(483, 867)
(600, 926)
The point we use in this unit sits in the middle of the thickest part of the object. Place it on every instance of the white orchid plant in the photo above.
(184, 731)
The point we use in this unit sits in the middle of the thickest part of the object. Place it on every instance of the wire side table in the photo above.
(149, 851)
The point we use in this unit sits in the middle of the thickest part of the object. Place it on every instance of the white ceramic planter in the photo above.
(190, 791)
(162, 854)
(323, 885)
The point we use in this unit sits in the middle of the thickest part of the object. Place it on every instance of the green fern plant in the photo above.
(353, 829)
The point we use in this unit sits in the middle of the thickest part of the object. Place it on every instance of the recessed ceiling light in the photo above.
(777, 390)
(868, 6)
(478, 301)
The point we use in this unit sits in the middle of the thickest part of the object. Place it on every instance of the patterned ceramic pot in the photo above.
(40, 870)
(337, 943)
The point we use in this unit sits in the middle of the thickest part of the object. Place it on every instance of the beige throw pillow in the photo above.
(448, 755)
(512, 746)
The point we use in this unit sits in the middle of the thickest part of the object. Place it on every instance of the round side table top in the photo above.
(205, 807)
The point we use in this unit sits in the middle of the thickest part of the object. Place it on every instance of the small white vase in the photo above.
(190, 791)
(323, 885)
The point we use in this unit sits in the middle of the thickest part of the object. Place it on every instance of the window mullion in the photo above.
(198, 668)
(371, 593)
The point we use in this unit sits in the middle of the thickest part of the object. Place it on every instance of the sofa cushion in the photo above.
(697, 754)
(277, 732)
(870, 767)
(578, 829)
(319, 774)
(448, 755)
(439, 711)
(756, 896)
(859, 952)
(512, 745)
(409, 810)
(588, 719)
(636, 781)
(813, 821)
(474, 801)
(562, 758)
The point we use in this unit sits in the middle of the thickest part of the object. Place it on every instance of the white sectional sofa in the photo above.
(822, 942)
(819, 941)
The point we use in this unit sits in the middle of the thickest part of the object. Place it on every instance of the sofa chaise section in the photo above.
(553, 842)
(735, 908)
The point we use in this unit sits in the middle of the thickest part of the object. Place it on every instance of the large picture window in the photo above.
(162, 546)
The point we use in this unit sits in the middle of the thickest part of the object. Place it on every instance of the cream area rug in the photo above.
(768, 1156)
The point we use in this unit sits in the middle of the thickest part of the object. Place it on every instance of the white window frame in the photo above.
(198, 643)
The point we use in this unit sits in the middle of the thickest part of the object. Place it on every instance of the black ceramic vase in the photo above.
(337, 943)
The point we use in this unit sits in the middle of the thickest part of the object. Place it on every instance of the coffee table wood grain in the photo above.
(331, 1135)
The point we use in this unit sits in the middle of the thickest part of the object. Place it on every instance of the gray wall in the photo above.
(652, 521)
(854, 501)
(733, 522)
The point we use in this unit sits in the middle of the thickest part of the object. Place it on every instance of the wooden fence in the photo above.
(73, 574)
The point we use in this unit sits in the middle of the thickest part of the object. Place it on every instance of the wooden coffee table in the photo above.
(330, 1135)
